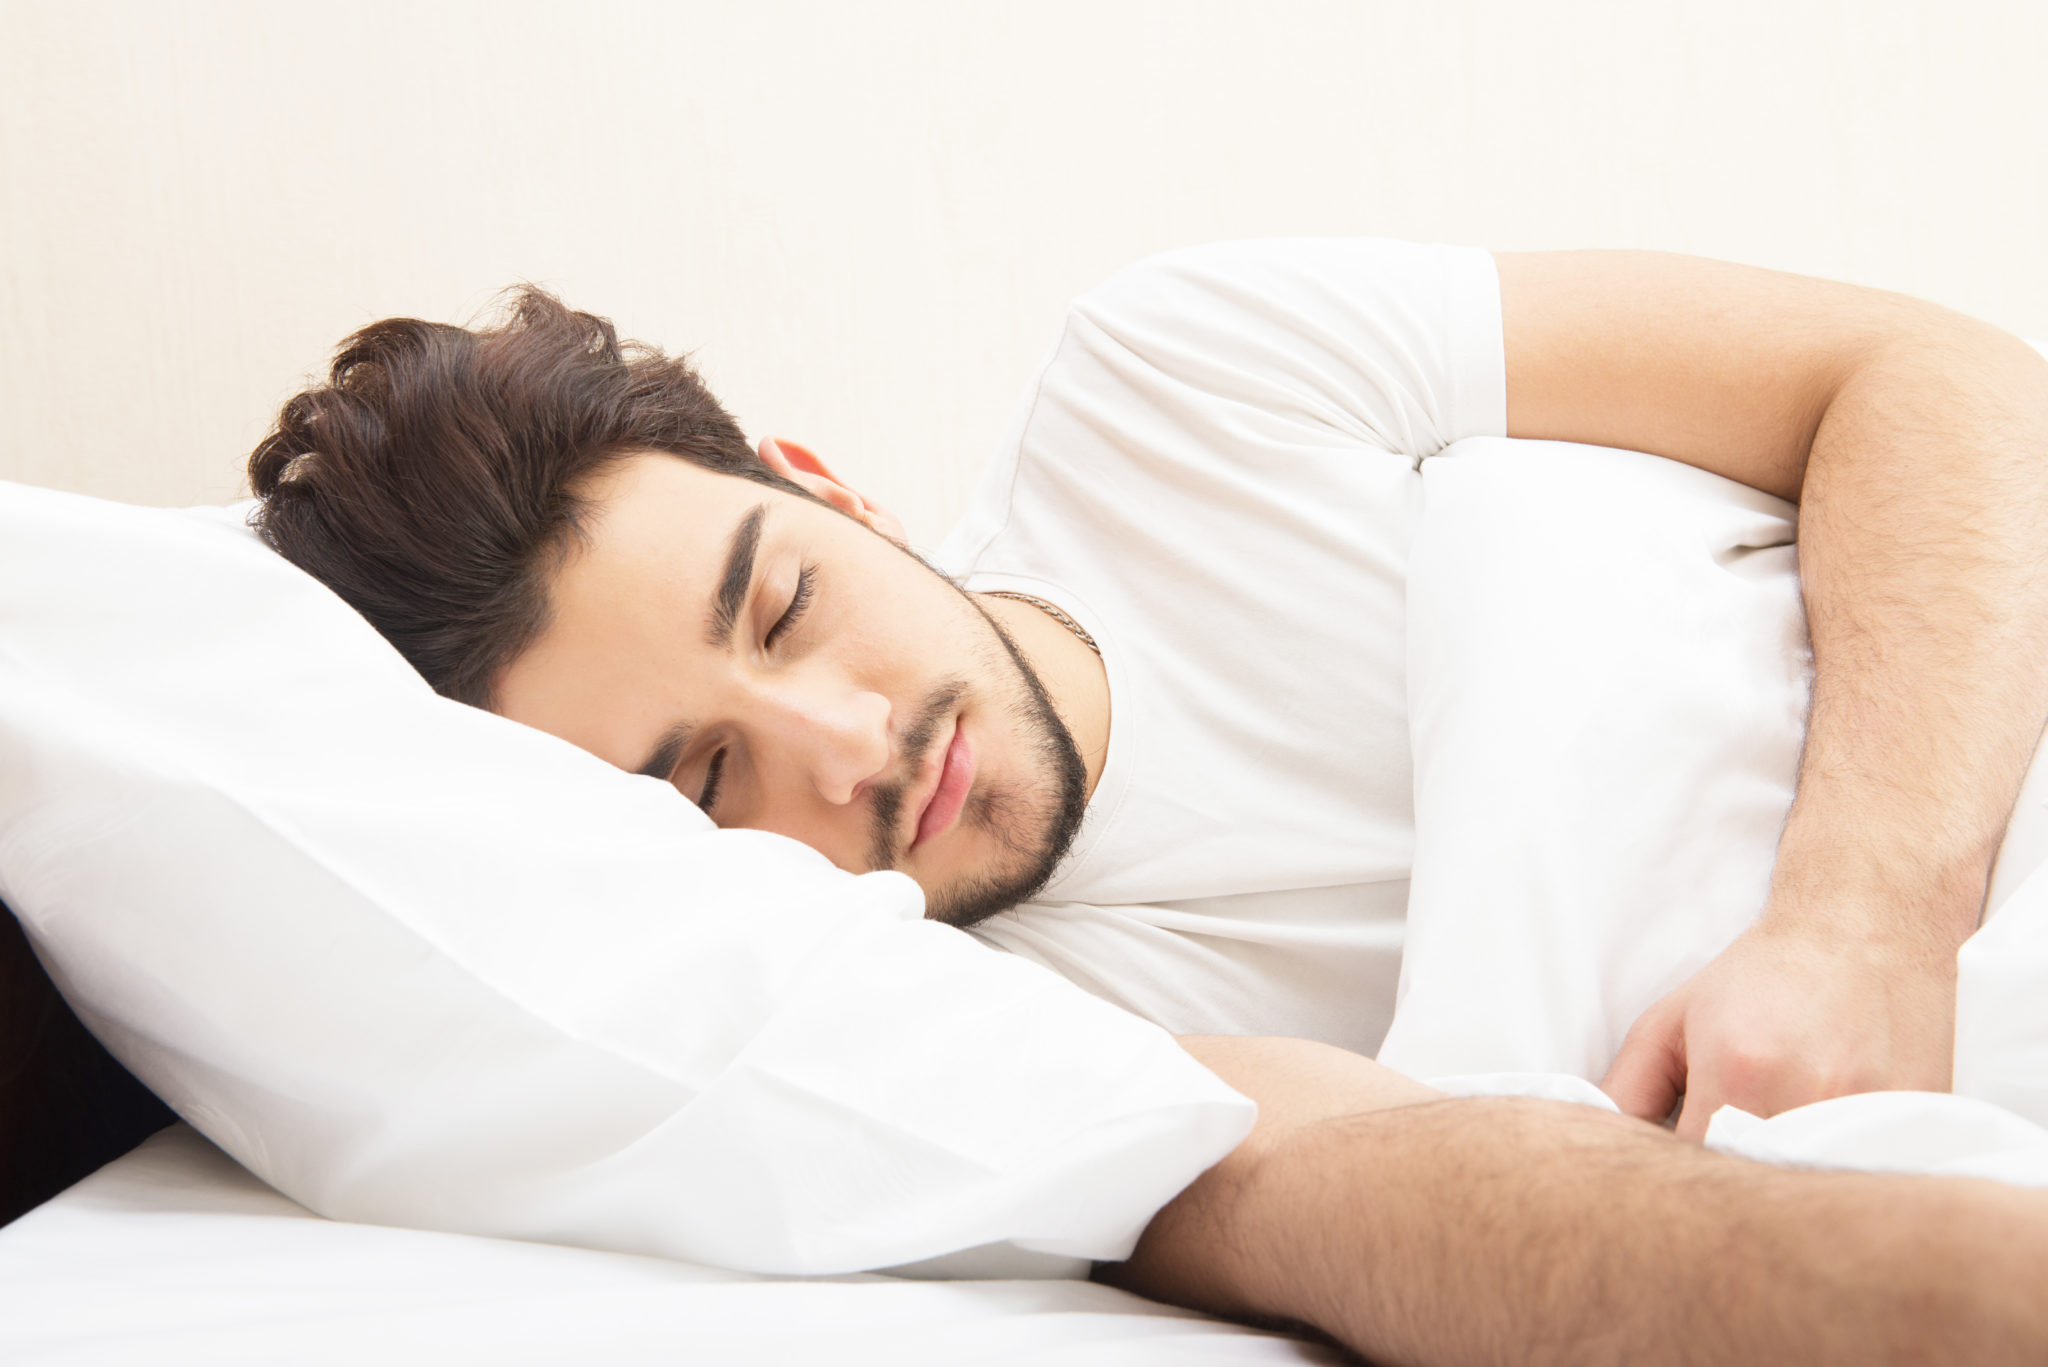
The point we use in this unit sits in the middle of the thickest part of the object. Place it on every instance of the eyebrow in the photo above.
(667, 751)
(737, 577)
(734, 580)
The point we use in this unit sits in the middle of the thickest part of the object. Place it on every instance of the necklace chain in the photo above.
(1049, 610)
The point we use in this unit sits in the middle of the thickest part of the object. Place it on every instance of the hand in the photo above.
(1783, 1017)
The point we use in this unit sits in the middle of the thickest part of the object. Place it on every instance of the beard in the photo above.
(1033, 820)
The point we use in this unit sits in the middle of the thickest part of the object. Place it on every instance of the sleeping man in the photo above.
(1148, 726)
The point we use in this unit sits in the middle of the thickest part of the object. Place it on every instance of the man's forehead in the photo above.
(655, 491)
(659, 524)
(631, 607)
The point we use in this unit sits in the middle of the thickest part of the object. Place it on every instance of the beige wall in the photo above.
(865, 218)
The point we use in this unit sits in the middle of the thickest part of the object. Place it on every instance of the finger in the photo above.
(1768, 1078)
(1648, 1073)
(1701, 1102)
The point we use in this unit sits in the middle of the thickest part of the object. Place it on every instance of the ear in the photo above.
(800, 467)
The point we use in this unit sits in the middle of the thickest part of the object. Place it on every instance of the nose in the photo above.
(838, 739)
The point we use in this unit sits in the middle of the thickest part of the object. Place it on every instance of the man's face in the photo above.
(790, 670)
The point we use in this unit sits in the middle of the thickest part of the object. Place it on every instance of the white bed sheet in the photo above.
(176, 1255)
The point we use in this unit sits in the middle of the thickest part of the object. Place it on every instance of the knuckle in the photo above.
(1749, 1070)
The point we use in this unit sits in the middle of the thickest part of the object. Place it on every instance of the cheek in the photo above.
(908, 633)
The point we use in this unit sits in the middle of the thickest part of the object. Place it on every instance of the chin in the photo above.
(1010, 871)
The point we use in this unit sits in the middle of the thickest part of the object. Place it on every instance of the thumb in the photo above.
(1699, 1113)
(1648, 1073)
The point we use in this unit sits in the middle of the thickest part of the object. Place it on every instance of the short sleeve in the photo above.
(1395, 344)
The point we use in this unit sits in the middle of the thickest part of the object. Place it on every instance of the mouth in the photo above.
(955, 775)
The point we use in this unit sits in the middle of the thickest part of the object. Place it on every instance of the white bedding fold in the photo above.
(177, 1257)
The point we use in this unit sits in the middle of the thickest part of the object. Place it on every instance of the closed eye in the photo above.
(806, 583)
(711, 775)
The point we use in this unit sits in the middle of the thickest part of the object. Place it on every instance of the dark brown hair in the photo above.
(433, 481)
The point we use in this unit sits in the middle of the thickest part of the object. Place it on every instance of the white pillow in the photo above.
(1607, 682)
(1608, 673)
(2002, 971)
(415, 964)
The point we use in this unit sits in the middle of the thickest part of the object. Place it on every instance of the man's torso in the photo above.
(1215, 474)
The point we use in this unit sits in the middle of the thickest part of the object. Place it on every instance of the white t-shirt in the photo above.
(1215, 474)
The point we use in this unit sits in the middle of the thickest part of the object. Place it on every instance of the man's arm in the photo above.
(1916, 441)
(1422, 1230)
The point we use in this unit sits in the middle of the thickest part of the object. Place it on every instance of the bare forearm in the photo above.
(1924, 558)
(1516, 1231)
(1916, 442)
(1923, 551)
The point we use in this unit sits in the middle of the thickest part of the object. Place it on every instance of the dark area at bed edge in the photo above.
(67, 1107)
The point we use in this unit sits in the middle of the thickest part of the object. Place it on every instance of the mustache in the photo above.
(885, 811)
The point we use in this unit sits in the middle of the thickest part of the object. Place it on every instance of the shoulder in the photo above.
(1353, 320)
(1394, 344)
(1265, 275)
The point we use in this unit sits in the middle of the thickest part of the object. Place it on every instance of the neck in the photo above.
(1072, 674)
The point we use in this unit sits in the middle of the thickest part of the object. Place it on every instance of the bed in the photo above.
(176, 1252)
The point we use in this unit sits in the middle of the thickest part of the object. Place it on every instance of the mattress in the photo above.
(174, 1254)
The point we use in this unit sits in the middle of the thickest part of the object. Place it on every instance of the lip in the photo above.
(949, 789)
